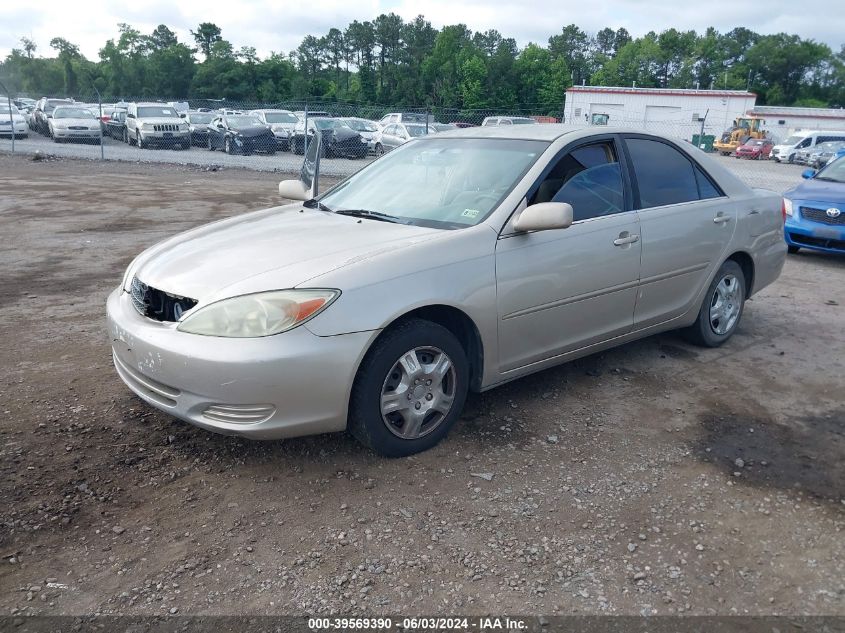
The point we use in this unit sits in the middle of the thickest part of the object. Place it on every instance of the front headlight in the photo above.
(787, 206)
(261, 314)
(146, 126)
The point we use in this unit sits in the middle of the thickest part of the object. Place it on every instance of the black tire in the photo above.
(228, 147)
(139, 141)
(792, 249)
(210, 146)
(702, 332)
(365, 417)
(379, 149)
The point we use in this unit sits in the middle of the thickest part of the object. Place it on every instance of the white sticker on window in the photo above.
(470, 213)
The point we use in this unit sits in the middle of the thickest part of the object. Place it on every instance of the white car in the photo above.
(74, 123)
(12, 122)
(281, 122)
(493, 121)
(393, 135)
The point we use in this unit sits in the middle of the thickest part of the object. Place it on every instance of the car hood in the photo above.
(167, 120)
(287, 127)
(272, 249)
(84, 122)
(819, 191)
(250, 130)
(340, 133)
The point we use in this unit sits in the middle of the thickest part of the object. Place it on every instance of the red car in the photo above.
(755, 148)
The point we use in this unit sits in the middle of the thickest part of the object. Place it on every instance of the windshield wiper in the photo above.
(825, 178)
(372, 215)
(313, 203)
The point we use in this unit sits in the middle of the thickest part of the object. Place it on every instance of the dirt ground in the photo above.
(653, 479)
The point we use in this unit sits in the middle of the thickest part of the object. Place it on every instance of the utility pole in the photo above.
(11, 117)
(100, 103)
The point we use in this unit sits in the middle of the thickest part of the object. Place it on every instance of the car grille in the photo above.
(156, 304)
(77, 127)
(821, 216)
(166, 127)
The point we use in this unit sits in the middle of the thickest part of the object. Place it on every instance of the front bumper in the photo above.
(19, 127)
(295, 383)
(164, 138)
(803, 233)
(67, 134)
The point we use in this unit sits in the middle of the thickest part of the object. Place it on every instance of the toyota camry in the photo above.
(458, 262)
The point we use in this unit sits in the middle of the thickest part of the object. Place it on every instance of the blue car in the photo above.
(815, 210)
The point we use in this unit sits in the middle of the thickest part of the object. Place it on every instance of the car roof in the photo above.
(543, 132)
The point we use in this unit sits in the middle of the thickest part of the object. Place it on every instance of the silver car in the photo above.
(74, 123)
(393, 135)
(456, 263)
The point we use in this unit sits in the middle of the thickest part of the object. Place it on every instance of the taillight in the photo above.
(783, 210)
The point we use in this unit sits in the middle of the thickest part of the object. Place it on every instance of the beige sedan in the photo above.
(456, 263)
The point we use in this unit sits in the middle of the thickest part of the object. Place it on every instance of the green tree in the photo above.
(205, 36)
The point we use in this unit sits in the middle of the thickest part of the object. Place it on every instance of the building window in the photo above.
(695, 116)
(577, 111)
(781, 122)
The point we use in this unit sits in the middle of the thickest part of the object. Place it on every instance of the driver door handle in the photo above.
(721, 218)
(624, 239)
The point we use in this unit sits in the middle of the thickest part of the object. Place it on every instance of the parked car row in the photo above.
(266, 130)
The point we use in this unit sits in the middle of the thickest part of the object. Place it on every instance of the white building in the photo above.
(670, 111)
(781, 121)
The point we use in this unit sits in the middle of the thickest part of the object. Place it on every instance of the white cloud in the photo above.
(270, 25)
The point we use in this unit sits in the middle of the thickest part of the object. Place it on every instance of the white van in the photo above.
(803, 139)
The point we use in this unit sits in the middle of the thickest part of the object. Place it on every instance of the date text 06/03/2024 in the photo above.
(417, 623)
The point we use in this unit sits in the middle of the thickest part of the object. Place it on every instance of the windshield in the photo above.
(441, 183)
(200, 117)
(157, 112)
(415, 130)
(241, 120)
(280, 117)
(4, 109)
(523, 121)
(72, 113)
(52, 105)
(360, 125)
(835, 171)
(327, 124)
(755, 142)
(794, 140)
(413, 117)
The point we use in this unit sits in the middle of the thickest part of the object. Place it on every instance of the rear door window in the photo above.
(664, 175)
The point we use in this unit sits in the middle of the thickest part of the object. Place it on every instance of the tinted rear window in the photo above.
(664, 175)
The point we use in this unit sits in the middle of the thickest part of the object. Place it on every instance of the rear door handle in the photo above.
(721, 219)
(626, 239)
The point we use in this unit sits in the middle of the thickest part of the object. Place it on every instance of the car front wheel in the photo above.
(721, 309)
(410, 389)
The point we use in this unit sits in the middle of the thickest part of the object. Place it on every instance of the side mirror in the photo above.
(294, 190)
(544, 216)
(808, 173)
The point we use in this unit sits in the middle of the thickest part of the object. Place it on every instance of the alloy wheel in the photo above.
(418, 392)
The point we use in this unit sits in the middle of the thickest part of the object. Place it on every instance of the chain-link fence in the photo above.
(212, 133)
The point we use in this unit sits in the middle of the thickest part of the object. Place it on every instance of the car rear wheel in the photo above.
(410, 389)
(721, 309)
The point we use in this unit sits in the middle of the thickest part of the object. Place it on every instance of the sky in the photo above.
(279, 25)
